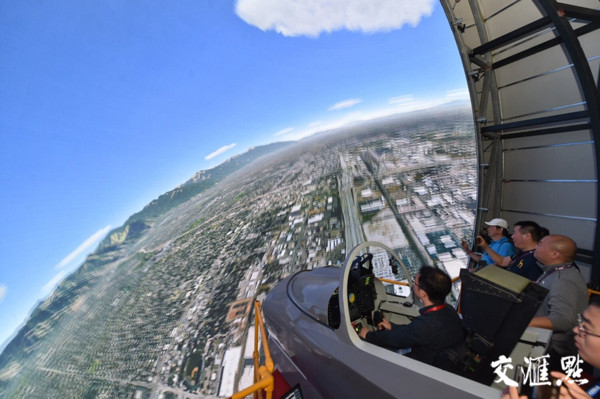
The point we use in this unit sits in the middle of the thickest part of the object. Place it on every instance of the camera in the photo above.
(485, 236)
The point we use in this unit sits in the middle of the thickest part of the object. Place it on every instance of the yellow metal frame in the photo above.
(385, 280)
(263, 374)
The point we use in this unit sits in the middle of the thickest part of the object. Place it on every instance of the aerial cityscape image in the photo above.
(165, 165)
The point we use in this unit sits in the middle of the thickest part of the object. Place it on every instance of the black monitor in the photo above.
(496, 307)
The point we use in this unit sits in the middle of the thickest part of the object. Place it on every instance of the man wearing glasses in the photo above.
(437, 328)
(587, 341)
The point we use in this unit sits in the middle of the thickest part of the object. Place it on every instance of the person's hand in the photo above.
(512, 393)
(384, 325)
(569, 388)
(363, 332)
(465, 246)
(481, 242)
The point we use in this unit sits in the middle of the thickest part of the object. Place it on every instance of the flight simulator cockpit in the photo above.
(369, 299)
(313, 317)
(494, 304)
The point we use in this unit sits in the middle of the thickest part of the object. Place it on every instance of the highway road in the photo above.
(353, 230)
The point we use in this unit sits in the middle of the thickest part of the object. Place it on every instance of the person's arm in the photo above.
(401, 336)
(541, 322)
(363, 332)
(383, 325)
(465, 247)
(562, 302)
(498, 259)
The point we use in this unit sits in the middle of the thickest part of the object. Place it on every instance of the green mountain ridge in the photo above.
(113, 250)
(201, 181)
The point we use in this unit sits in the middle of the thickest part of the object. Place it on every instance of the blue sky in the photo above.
(106, 105)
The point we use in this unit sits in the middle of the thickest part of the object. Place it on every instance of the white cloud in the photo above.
(407, 103)
(458, 94)
(283, 131)
(85, 246)
(402, 100)
(3, 290)
(351, 102)
(220, 151)
(49, 286)
(320, 126)
(311, 17)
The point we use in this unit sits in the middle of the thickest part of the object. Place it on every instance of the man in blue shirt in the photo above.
(498, 231)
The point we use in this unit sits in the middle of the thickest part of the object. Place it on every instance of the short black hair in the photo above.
(435, 282)
(536, 231)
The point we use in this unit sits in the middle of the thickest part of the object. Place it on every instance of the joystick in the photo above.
(377, 317)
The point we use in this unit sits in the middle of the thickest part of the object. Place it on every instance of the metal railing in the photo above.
(263, 374)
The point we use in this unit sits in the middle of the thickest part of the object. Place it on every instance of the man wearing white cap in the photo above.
(498, 231)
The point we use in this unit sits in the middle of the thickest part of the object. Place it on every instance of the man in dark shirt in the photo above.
(437, 328)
